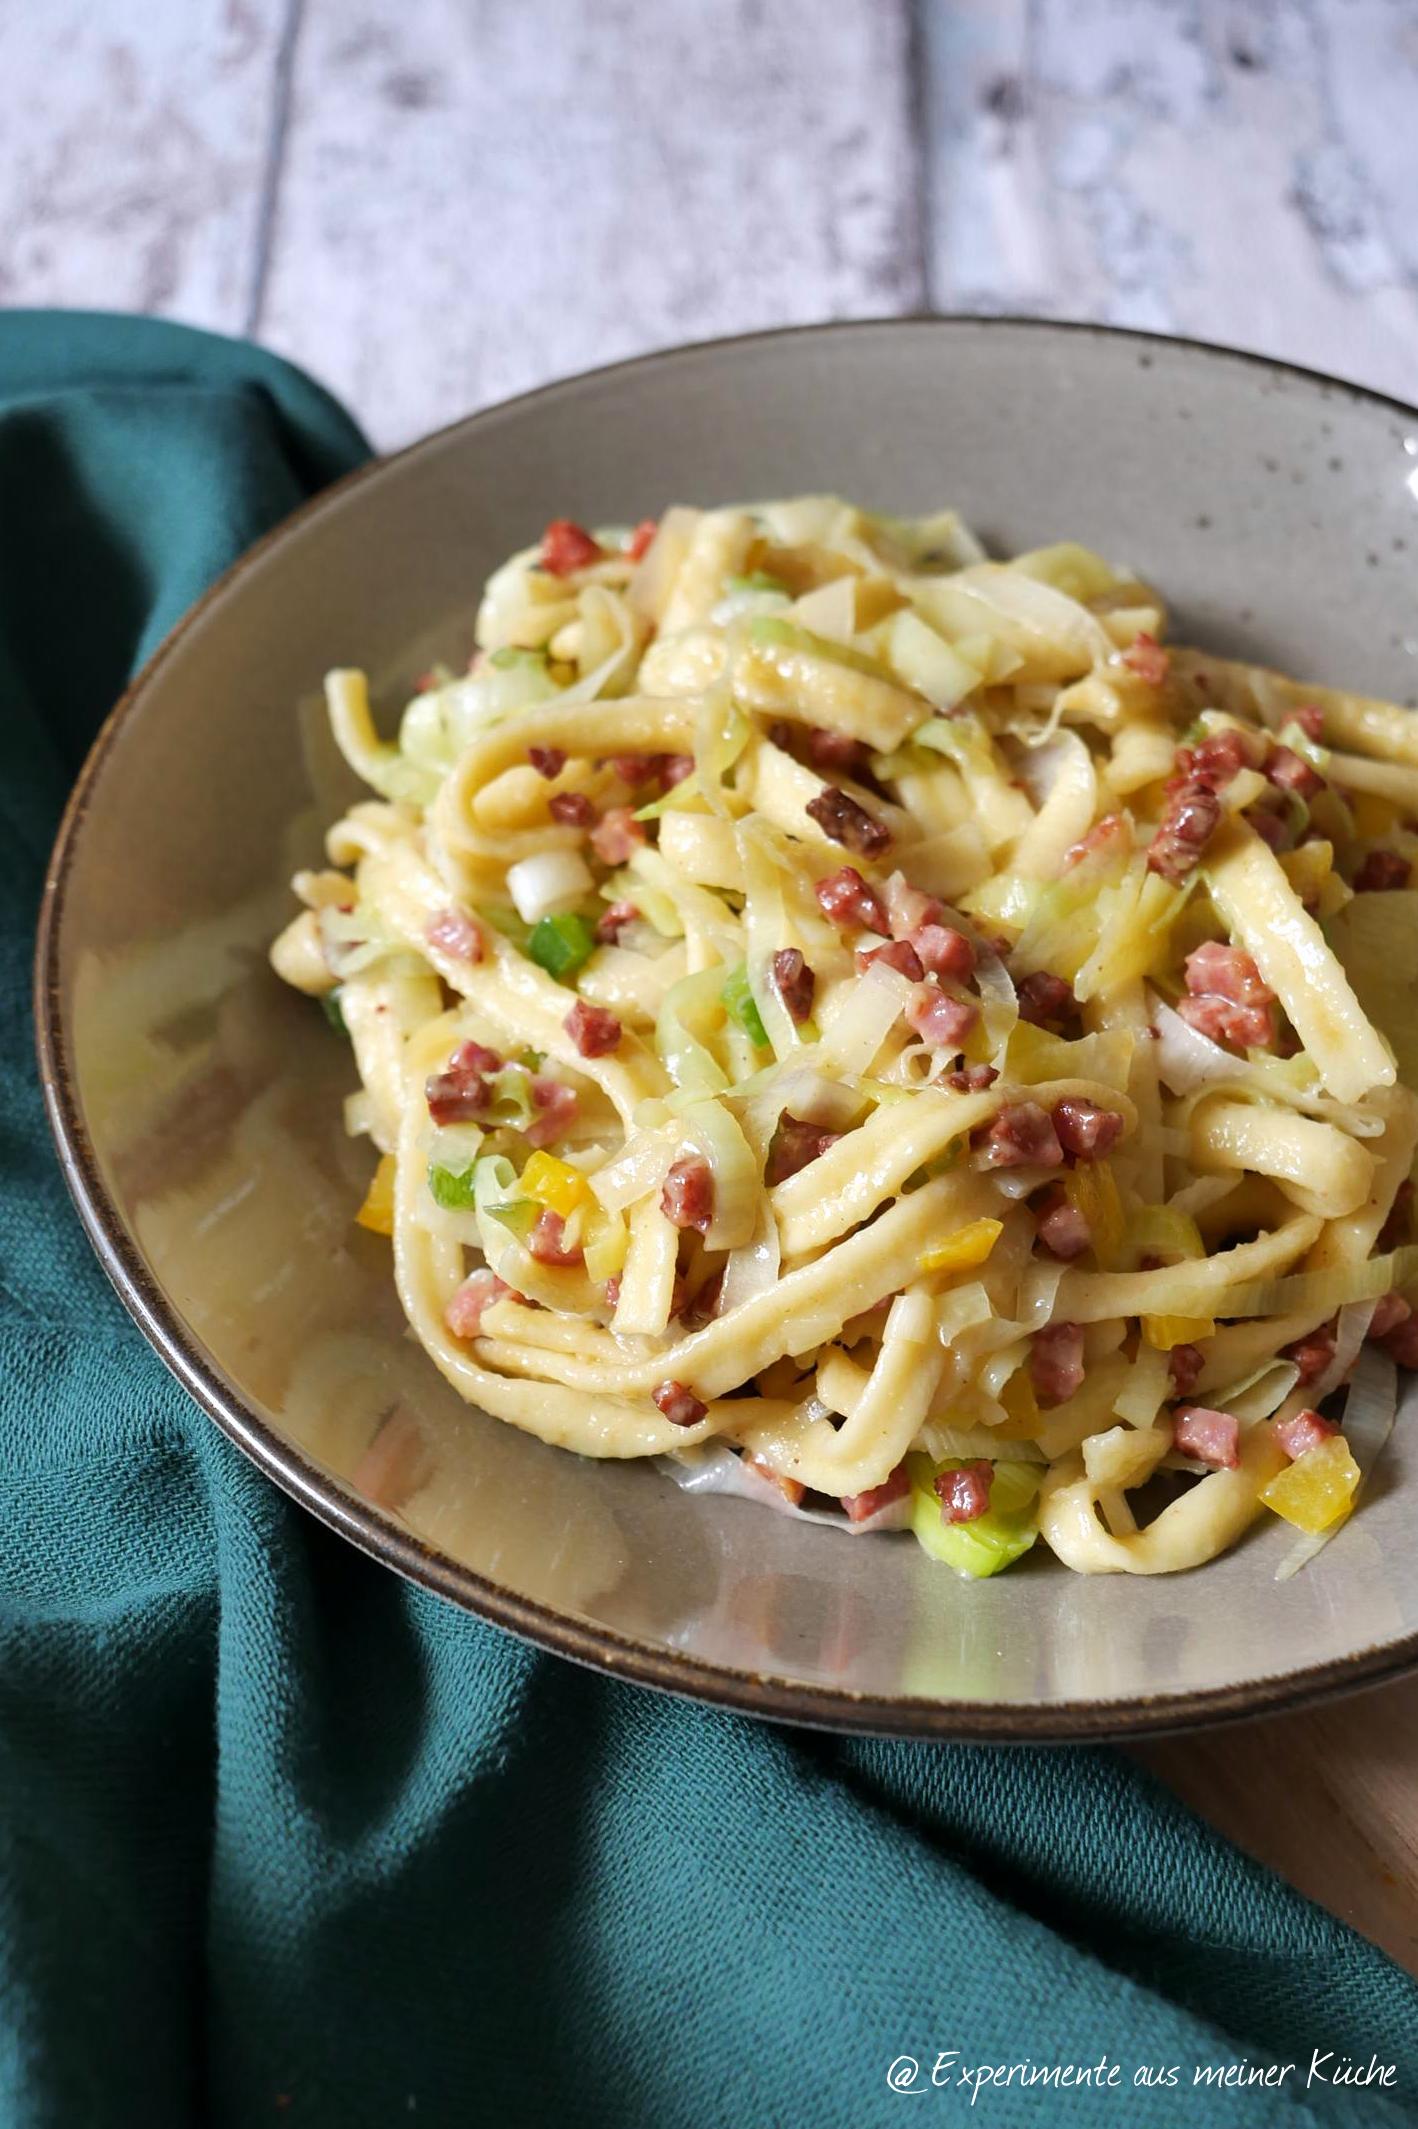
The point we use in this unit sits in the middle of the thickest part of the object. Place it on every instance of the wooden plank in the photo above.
(1135, 163)
(1325, 1797)
(477, 198)
(135, 145)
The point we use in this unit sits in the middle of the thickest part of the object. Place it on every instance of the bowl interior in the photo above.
(199, 1100)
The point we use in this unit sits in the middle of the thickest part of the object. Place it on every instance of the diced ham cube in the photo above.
(971, 1079)
(1193, 816)
(453, 932)
(1392, 1310)
(674, 769)
(794, 982)
(1056, 1362)
(556, 1104)
(843, 821)
(1311, 1354)
(634, 769)
(1229, 999)
(1086, 1131)
(464, 1313)
(1310, 719)
(567, 547)
(1211, 1437)
(860, 1506)
(1290, 771)
(896, 953)
(547, 761)
(791, 1489)
(907, 908)
(1146, 657)
(1044, 999)
(616, 835)
(1302, 1432)
(942, 951)
(964, 1494)
(939, 1019)
(547, 1243)
(459, 1093)
(835, 750)
(1062, 1228)
(572, 809)
(795, 1143)
(1272, 830)
(1382, 872)
(594, 1030)
(852, 905)
(679, 1404)
(1184, 1364)
(687, 1198)
(639, 541)
(614, 921)
(1021, 1135)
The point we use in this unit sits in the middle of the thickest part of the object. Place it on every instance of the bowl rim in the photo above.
(760, 1694)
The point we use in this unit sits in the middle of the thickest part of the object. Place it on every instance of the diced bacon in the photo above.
(1310, 718)
(1146, 657)
(1290, 771)
(1056, 1362)
(795, 1143)
(971, 1079)
(860, 1506)
(1382, 872)
(1302, 1432)
(567, 547)
(639, 541)
(1211, 1437)
(907, 908)
(897, 953)
(1110, 829)
(464, 1313)
(1044, 999)
(547, 1244)
(594, 1030)
(616, 835)
(458, 1093)
(1311, 1354)
(964, 1494)
(634, 769)
(687, 1199)
(843, 821)
(1086, 1131)
(852, 905)
(1398, 1227)
(556, 1104)
(679, 1404)
(672, 769)
(614, 921)
(453, 932)
(1392, 1310)
(794, 982)
(791, 1489)
(1184, 1364)
(1061, 1227)
(1213, 761)
(1193, 816)
(835, 750)
(1021, 1135)
(1230, 1000)
(571, 808)
(547, 761)
(943, 951)
(939, 1019)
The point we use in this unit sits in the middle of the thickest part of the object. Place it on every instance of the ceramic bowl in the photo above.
(197, 1101)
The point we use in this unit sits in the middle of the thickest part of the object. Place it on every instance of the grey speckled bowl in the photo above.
(197, 1103)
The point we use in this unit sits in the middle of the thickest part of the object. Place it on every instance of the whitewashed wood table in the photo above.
(435, 205)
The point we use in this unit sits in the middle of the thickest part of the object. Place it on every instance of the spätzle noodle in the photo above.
(839, 1009)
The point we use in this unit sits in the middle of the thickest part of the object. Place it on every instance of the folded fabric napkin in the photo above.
(284, 1838)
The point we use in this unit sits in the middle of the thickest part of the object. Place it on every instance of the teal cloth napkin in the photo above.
(282, 1838)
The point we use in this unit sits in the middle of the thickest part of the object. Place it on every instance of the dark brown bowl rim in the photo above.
(600, 1647)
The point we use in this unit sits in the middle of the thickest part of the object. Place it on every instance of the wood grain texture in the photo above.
(135, 143)
(478, 195)
(1239, 172)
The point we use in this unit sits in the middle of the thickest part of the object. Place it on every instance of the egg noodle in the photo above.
(866, 1023)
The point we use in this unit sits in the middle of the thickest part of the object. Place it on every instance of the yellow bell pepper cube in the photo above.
(964, 1249)
(1093, 1191)
(1164, 1332)
(377, 1211)
(1318, 1488)
(554, 1183)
